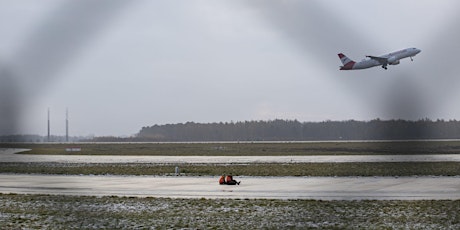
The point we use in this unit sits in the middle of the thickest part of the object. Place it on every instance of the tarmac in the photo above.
(316, 188)
(8, 155)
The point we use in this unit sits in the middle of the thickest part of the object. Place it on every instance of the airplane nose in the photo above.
(418, 51)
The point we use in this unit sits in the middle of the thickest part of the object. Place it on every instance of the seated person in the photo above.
(228, 180)
(222, 180)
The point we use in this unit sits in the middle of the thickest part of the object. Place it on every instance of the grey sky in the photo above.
(158, 62)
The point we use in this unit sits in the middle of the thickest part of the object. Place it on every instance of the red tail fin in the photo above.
(347, 62)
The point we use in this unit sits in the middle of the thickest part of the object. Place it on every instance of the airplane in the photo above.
(384, 60)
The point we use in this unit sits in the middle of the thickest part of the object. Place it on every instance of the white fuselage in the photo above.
(366, 63)
(384, 60)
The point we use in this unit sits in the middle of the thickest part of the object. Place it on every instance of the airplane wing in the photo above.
(381, 60)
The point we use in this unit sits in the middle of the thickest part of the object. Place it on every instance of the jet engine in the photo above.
(393, 61)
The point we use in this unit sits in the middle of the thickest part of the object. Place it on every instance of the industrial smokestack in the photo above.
(67, 125)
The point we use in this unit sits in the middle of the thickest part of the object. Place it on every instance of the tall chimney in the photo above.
(67, 125)
(48, 124)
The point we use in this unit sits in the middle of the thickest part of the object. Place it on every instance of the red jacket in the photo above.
(228, 179)
(222, 180)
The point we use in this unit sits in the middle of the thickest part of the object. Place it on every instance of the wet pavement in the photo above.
(318, 188)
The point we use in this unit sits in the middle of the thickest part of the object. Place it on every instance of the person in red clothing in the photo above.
(222, 180)
(228, 180)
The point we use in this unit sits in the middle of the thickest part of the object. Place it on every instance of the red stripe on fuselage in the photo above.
(348, 66)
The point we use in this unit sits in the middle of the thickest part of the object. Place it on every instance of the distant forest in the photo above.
(293, 130)
(275, 130)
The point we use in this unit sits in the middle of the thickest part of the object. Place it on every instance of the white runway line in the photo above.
(318, 188)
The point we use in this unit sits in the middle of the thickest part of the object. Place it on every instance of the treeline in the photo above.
(293, 130)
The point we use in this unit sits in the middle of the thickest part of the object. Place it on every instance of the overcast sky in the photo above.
(121, 65)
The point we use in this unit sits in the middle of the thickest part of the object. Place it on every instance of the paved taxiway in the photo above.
(324, 188)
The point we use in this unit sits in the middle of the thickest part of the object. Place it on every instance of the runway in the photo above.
(317, 188)
(8, 155)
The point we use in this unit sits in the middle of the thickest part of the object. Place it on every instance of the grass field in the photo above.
(248, 149)
(293, 169)
(68, 212)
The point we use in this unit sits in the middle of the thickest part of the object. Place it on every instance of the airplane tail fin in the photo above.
(347, 62)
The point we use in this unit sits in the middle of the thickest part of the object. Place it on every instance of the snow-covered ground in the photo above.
(321, 188)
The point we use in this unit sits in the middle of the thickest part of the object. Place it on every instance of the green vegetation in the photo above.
(248, 149)
(82, 212)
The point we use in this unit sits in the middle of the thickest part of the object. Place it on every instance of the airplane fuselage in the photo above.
(384, 60)
(364, 64)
